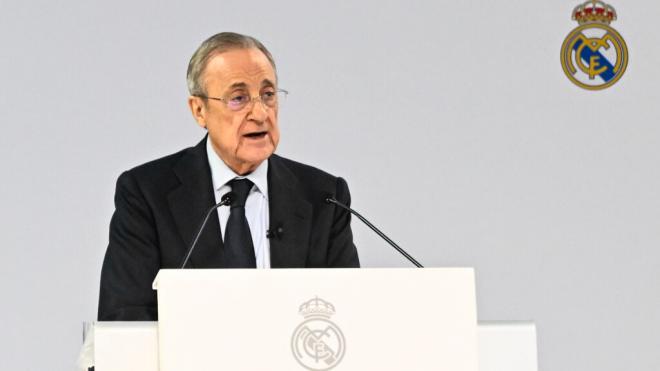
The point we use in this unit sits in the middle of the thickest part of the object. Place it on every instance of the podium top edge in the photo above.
(259, 272)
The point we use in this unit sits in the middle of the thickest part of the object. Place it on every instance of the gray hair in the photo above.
(214, 45)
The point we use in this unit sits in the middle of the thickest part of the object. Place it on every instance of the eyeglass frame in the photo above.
(249, 103)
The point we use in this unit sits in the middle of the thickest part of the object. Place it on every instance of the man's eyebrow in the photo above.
(238, 85)
(242, 85)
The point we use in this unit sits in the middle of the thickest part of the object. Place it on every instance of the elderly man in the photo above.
(278, 217)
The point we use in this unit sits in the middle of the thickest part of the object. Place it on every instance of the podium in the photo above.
(133, 346)
(312, 319)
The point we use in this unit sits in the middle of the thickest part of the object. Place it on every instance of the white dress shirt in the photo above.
(256, 205)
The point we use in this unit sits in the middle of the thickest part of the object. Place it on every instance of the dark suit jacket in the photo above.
(160, 205)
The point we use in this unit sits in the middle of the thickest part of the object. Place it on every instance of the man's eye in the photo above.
(240, 98)
(269, 95)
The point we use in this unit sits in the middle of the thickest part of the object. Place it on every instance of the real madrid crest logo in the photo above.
(594, 56)
(317, 343)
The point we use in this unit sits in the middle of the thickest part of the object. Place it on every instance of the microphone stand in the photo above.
(373, 228)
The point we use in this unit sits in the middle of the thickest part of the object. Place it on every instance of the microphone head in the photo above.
(275, 232)
(329, 199)
(228, 198)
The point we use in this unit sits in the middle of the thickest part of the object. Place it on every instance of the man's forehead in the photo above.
(241, 66)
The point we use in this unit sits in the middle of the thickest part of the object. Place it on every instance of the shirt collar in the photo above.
(222, 174)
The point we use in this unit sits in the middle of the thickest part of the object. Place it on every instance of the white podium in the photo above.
(133, 346)
(315, 319)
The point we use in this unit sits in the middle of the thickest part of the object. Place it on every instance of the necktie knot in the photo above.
(241, 188)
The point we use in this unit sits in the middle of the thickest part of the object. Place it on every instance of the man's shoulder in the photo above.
(299, 168)
(161, 171)
(308, 179)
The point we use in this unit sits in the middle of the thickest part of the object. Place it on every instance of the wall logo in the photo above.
(594, 56)
(317, 343)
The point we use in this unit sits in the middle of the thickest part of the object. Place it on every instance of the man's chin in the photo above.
(250, 162)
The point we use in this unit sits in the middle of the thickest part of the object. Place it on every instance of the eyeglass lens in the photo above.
(238, 101)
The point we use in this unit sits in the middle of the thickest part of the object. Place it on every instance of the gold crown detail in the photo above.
(594, 11)
(316, 307)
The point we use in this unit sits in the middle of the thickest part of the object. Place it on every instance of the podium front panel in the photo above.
(317, 319)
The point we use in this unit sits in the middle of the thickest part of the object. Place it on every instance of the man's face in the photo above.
(246, 137)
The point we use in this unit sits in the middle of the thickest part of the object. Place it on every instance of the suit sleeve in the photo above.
(341, 250)
(132, 259)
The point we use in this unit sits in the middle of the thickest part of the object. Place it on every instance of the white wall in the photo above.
(452, 121)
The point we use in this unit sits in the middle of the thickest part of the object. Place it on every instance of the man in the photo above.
(278, 217)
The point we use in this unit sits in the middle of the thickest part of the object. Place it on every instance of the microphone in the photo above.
(226, 199)
(331, 200)
(275, 233)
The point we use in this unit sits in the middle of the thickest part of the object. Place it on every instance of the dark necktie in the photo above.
(239, 249)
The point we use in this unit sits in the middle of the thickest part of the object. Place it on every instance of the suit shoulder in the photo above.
(158, 173)
(304, 170)
(309, 180)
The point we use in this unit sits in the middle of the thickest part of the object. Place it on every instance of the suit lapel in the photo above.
(189, 203)
(290, 212)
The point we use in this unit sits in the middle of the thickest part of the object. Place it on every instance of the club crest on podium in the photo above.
(317, 343)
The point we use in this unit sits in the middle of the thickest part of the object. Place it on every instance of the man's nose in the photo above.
(258, 110)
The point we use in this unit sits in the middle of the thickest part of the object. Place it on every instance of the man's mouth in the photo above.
(256, 135)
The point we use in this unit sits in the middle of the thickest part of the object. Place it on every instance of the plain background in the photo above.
(452, 121)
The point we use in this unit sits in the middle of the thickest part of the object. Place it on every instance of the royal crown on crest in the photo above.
(594, 11)
(316, 307)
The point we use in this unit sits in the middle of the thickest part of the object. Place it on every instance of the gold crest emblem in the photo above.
(594, 56)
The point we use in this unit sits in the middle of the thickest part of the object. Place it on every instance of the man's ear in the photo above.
(198, 110)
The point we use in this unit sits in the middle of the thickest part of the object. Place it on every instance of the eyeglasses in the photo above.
(238, 101)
